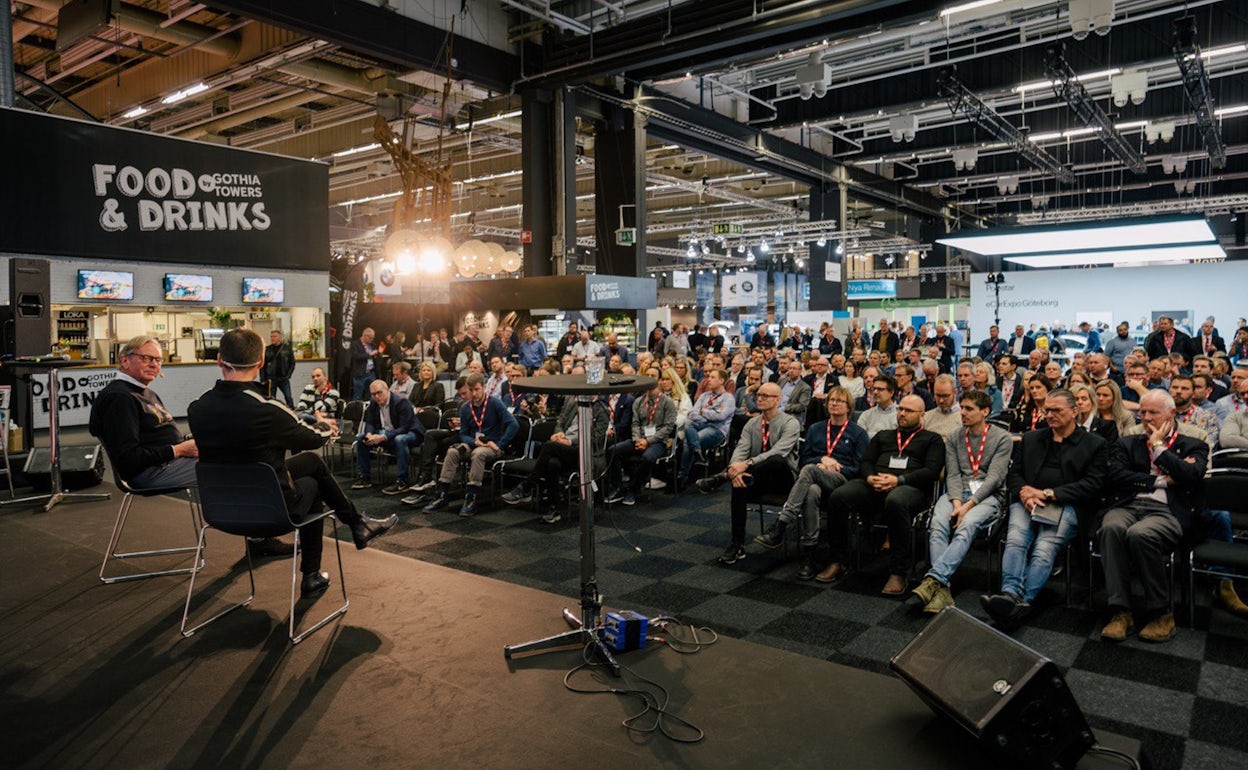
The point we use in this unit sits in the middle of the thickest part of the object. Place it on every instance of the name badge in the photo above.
(975, 484)
(897, 463)
(649, 431)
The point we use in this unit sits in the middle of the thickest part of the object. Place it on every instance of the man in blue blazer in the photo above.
(389, 423)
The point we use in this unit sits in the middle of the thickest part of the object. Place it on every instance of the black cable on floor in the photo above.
(663, 720)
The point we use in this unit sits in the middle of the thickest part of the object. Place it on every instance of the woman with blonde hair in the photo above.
(671, 385)
(683, 368)
(1085, 414)
(986, 381)
(427, 391)
(1109, 406)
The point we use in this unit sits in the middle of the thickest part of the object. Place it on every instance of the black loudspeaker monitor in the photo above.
(81, 467)
(30, 299)
(1010, 697)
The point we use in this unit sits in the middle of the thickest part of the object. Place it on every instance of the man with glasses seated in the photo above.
(830, 457)
(133, 424)
(899, 471)
(1158, 483)
(764, 461)
(883, 414)
(486, 427)
(390, 424)
(708, 423)
(1055, 480)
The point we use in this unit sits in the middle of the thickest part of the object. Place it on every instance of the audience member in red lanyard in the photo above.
(1206, 342)
(708, 423)
(652, 429)
(899, 471)
(764, 461)
(486, 427)
(1010, 381)
(1166, 340)
(1030, 415)
(1237, 400)
(830, 457)
(1181, 389)
(977, 457)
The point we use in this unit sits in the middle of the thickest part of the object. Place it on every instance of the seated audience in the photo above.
(1055, 480)
(900, 470)
(426, 390)
(708, 423)
(390, 424)
(436, 443)
(401, 381)
(1157, 483)
(486, 428)
(652, 430)
(883, 414)
(319, 398)
(977, 457)
(943, 419)
(559, 457)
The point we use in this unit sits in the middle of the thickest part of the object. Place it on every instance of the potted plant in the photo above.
(67, 347)
(220, 317)
(307, 349)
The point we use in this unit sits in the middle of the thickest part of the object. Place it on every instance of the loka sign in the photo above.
(740, 290)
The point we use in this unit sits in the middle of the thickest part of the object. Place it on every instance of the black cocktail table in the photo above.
(586, 630)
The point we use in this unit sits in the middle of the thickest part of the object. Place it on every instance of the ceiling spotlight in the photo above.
(840, 247)
(1131, 86)
(964, 160)
(1173, 164)
(890, 260)
(750, 257)
(1162, 129)
(823, 241)
(853, 243)
(764, 246)
(800, 264)
(706, 249)
(691, 252)
(740, 248)
(903, 127)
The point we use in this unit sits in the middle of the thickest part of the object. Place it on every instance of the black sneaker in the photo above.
(518, 496)
(630, 498)
(772, 537)
(711, 483)
(614, 496)
(552, 516)
(732, 554)
(416, 499)
(399, 487)
(361, 483)
(427, 486)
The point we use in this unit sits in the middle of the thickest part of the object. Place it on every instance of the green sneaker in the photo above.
(940, 600)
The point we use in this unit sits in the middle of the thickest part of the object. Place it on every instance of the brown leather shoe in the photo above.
(1159, 629)
(896, 585)
(832, 573)
(1224, 595)
(1119, 627)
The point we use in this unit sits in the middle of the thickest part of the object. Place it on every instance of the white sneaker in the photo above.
(656, 484)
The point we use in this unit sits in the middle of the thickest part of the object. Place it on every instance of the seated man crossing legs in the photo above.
(559, 457)
(977, 457)
(708, 423)
(833, 449)
(654, 423)
(765, 460)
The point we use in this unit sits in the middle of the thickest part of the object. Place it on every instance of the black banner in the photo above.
(82, 189)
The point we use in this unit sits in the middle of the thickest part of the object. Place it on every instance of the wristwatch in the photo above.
(1049, 494)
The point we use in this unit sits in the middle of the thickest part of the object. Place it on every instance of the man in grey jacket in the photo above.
(654, 424)
(794, 392)
(977, 456)
(764, 461)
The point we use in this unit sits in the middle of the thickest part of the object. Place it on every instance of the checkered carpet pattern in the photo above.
(1186, 700)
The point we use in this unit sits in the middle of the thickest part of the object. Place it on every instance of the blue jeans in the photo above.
(945, 552)
(1023, 575)
(400, 445)
(359, 385)
(695, 439)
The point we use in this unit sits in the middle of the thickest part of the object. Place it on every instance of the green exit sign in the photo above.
(728, 228)
(626, 236)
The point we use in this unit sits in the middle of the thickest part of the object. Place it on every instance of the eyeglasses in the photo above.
(147, 359)
(1055, 409)
(909, 411)
(767, 395)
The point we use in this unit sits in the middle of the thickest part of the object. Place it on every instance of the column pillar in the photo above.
(537, 213)
(620, 181)
(827, 202)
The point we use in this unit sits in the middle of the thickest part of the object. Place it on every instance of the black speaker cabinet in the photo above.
(30, 290)
(81, 467)
(1007, 695)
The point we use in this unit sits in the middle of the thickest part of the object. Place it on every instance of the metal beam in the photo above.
(1196, 83)
(386, 35)
(708, 33)
(962, 100)
(1066, 86)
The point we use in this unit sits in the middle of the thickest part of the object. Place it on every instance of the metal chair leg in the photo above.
(119, 525)
(190, 589)
(294, 585)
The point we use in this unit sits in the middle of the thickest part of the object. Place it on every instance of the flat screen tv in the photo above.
(264, 291)
(105, 284)
(183, 287)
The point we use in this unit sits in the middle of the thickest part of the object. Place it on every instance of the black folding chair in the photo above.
(246, 500)
(126, 501)
(1226, 489)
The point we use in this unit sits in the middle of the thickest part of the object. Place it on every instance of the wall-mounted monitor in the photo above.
(264, 291)
(183, 287)
(105, 284)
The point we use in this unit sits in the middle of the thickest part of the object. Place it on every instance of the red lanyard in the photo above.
(1035, 417)
(1167, 339)
(832, 442)
(766, 434)
(1169, 443)
(614, 400)
(870, 399)
(976, 459)
(712, 400)
(479, 419)
(652, 407)
(901, 448)
(489, 389)
(1186, 416)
